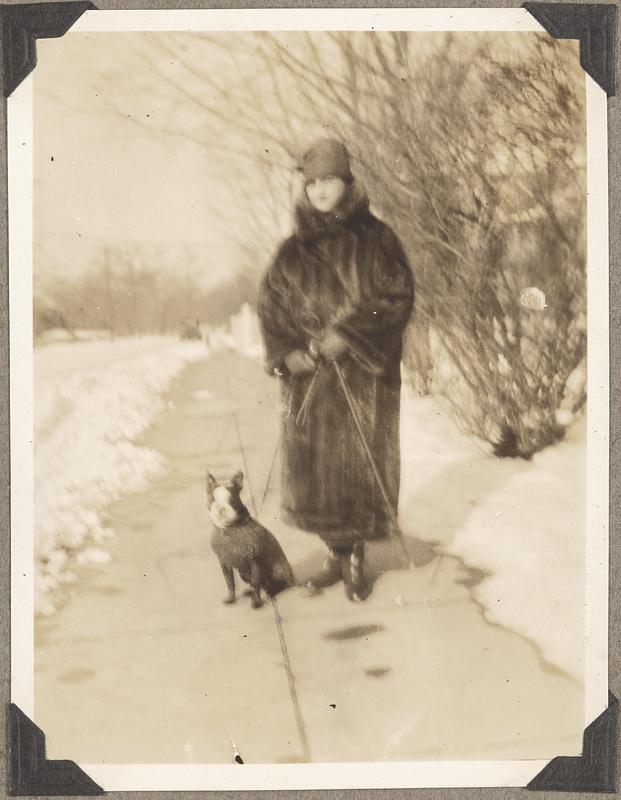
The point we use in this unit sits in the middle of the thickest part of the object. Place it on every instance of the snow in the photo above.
(519, 524)
(94, 555)
(244, 327)
(241, 333)
(91, 402)
(522, 524)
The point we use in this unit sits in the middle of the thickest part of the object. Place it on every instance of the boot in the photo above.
(329, 574)
(357, 586)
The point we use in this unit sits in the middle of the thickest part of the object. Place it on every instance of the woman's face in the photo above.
(325, 193)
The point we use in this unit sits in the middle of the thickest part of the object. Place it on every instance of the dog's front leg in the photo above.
(229, 577)
(255, 582)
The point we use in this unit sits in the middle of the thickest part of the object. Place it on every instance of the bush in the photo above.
(473, 147)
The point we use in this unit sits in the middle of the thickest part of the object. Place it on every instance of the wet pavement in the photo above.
(144, 664)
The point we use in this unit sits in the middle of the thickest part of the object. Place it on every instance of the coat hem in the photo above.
(336, 530)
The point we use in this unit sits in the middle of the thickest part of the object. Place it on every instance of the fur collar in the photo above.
(311, 224)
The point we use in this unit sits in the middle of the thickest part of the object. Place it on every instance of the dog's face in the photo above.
(223, 500)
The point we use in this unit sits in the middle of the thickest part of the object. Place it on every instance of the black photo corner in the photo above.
(29, 772)
(23, 24)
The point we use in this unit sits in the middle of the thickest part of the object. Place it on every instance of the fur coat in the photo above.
(344, 270)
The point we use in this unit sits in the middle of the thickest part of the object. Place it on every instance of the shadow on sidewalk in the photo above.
(439, 509)
(380, 557)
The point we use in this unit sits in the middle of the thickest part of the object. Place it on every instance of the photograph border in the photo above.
(596, 218)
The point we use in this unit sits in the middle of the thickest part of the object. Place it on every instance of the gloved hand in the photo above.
(299, 362)
(332, 345)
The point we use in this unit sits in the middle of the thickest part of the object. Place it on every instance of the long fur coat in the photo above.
(344, 270)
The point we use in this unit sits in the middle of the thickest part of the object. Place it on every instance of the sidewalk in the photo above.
(144, 664)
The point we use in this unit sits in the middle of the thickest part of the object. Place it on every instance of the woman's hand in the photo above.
(299, 362)
(332, 346)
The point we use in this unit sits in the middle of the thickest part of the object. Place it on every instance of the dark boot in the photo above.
(357, 586)
(329, 574)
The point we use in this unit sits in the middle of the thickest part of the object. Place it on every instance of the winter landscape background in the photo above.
(164, 178)
(526, 536)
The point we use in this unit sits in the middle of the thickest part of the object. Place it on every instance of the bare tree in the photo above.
(472, 147)
(476, 157)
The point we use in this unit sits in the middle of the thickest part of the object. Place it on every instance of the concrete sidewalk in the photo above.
(144, 664)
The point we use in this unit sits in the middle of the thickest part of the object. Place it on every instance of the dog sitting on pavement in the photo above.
(243, 544)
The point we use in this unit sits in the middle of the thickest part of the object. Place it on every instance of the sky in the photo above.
(106, 175)
(102, 180)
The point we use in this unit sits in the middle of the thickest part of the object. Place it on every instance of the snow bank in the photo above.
(91, 401)
(521, 523)
(244, 326)
(241, 333)
(530, 537)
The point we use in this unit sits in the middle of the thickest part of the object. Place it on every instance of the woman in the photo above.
(339, 290)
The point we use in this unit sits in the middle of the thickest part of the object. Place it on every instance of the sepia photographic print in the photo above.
(309, 398)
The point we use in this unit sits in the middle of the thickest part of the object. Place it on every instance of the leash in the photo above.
(245, 460)
(293, 694)
(369, 455)
(271, 470)
(300, 419)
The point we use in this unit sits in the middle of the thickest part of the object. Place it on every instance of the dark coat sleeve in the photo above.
(373, 330)
(279, 332)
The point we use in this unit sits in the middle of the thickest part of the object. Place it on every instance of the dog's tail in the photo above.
(276, 585)
(280, 573)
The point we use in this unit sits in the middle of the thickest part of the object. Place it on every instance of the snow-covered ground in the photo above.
(520, 523)
(91, 401)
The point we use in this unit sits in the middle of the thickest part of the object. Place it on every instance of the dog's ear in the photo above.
(210, 483)
(237, 480)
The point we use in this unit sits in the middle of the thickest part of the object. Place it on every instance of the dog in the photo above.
(243, 544)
